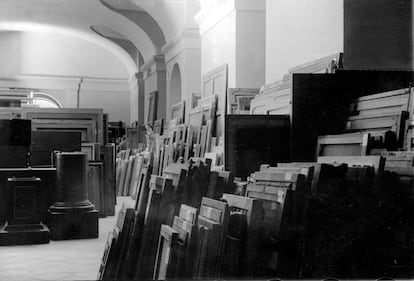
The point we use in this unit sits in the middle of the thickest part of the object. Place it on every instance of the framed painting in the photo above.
(238, 100)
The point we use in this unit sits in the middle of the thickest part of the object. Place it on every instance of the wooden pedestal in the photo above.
(24, 225)
(72, 216)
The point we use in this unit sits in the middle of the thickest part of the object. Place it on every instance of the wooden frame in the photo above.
(239, 98)
(252, 211)
(87, 128)
(178, 112)
(152, 107)
(143, 186)
(385, 102)
(392, 121)
(212, 224)
(92, 150)
(96, 192)
(203, 114)
(307, 169)
(73, 115)
(326, 64)
(157, 212)
(107, 256)
(195, 97)
(133, 250)
(215, 83)
(377, 162)
(273, 99)
(409, 135)
(398, 159)
(167, 255)
(352, 144)
(158, 126)
(284, 202)
(108, 158)
(135, 175)
(128, 176)
(386, 111)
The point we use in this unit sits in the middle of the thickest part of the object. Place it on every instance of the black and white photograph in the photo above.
(206, 140)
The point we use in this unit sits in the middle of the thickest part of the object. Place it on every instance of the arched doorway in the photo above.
(175, 94)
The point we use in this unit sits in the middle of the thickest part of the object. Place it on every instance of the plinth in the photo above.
(72, 216)
(24, 225)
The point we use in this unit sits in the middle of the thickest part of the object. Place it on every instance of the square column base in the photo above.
(73, 225)
(24, 234)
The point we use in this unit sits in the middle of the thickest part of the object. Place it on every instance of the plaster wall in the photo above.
(299, 31)
(218, 46)
(250, 49)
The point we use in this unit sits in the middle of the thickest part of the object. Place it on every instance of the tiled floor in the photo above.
(58, 260)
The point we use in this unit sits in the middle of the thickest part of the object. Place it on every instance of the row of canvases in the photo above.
(294, 220)
(334, 199)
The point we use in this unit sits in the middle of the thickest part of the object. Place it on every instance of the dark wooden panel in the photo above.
(251, 140)
(320, 103)
(14, 143)
(45, 142)
(48, 185)
(108, 158)
(378, 34)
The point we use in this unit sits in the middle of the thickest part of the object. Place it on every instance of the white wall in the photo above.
(233, 33)
(59, 55)
(10, 51)
(189, 62)
(54, 64)
(298, 31)
(116, 104)
(250, 49)
(218, 46)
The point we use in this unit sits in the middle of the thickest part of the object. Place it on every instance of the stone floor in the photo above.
(58, 260)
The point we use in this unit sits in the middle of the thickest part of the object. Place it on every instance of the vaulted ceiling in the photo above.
(133, 30)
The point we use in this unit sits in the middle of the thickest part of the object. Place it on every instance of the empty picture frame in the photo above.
(152, 107)
(92, 150)
(238, 100)
(178, 111)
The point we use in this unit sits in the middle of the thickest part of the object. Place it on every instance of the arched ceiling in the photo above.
(140, 18)
(118, 25)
